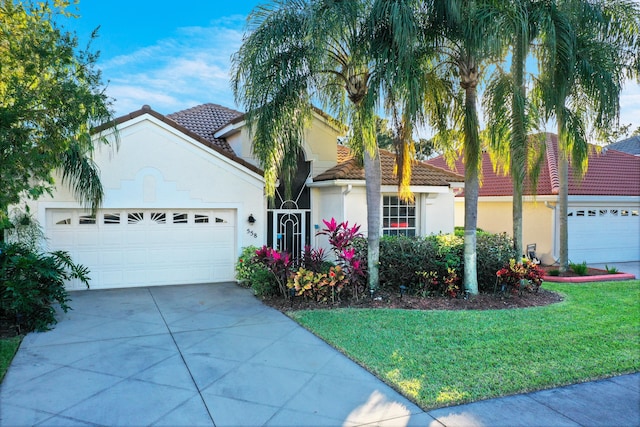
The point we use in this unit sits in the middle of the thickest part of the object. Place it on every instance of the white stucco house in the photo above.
(183, 195)
(603, 208)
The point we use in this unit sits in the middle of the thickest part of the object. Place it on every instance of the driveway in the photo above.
(196, 355)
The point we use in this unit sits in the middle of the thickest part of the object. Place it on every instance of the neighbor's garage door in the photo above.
(137, 247)
(604, 234)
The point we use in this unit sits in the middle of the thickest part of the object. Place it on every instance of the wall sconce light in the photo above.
(251, 219)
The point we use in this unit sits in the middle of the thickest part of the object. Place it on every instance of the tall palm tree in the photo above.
(297, 51)
(588, 49)
(454, 40)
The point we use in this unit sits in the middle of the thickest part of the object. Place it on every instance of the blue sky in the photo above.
(175, 55)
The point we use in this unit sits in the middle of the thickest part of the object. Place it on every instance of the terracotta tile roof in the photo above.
(216, 147)
(422, 174)
(205, 120)
(610, 173)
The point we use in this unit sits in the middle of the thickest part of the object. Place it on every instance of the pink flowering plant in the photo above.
(278, 263)
(517, 277)
(341, 237)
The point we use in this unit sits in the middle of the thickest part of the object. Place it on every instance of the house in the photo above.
(183, 195)
(603, 207)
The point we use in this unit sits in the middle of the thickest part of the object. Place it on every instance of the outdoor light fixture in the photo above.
(251, 219)
(403, 290)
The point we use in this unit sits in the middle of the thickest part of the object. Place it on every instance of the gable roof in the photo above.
(421, 174)
(204, 120)
(610, 173)
(204, 141)
(629, 145)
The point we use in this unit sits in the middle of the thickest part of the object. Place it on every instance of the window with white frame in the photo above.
(398, 217)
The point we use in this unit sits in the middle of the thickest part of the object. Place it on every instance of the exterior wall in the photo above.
(157, 167)
(437, 213)
(320, 145)
(497, 217)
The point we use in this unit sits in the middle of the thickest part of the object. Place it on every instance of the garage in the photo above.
(147, 247)
(604, 234)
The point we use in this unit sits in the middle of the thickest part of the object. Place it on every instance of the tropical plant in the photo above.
(32, 281)
(247, 264)
(516, 277)
(587, 49)
(278, 264)
(50, 100)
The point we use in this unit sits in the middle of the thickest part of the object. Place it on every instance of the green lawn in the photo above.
(441, 358)
(8, 348)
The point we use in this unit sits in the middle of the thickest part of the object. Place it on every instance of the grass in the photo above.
(8, 348)
(442, 358)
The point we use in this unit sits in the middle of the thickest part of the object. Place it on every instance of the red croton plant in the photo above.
(517, 277)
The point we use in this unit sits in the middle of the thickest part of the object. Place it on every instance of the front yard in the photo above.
(442, 358)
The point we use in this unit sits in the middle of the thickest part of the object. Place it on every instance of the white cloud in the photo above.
(630, 105)
(190, 69)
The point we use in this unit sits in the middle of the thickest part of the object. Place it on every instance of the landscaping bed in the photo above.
(411, 302)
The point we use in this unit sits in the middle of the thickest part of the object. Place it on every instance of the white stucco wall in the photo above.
(438, 213)
(156, 166)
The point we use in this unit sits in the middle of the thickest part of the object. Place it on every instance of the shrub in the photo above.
(432, 284)
(319, 286)
(517, 277)
(263, 283)
(611, 270)
(278, 264)
(579, 269)
(554, 272)
(31, 282)
(405, 260)
(315, 260)
(247, 265)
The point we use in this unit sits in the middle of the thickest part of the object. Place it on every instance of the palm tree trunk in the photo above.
(518, 140)
(373, 177)
(473, 156)
(563, 201)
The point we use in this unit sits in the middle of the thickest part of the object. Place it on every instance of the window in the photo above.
(86, 219)
(134, 217)
(159, 217)
(111, 218)
(624, 212)
(603, 212)
(592, 213)
(201, 219)
(398, 217)
(180, 218)
(220, 221)
(634, 213)
(65, 221)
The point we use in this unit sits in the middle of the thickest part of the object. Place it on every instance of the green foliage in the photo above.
(319, 286)
(32, 282)
(611, 270)
(247, 264)
(554, 272)
(411, 261)
(263, 283)
(579, 269)
(50, 99)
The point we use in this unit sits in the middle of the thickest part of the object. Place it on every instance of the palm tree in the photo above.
(432, 41)
(297, 51)
(588, 49)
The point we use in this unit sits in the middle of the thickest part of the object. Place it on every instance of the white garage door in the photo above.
(138, 247)
(610, 234)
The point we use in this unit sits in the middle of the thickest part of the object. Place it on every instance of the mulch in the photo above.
(410, 302)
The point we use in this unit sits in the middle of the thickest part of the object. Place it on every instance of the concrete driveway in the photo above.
(196, 355)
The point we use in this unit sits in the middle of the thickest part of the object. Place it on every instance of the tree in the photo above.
(297, 51)
(50, 99)
(588, 48)
(435, 45)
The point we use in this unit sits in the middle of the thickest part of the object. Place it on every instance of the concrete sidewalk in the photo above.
(204, 355)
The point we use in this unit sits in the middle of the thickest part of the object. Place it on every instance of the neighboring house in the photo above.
(629, 145)
(183, 195)
(603, 207)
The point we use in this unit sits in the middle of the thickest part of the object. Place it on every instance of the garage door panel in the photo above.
(604, 234)
(148, 247)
